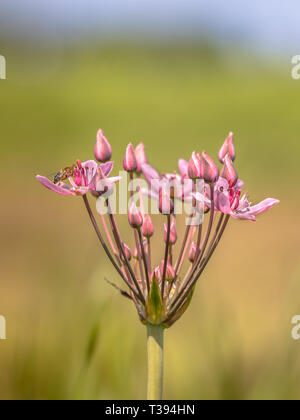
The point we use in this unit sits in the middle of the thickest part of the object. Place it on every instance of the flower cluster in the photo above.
(161, 292)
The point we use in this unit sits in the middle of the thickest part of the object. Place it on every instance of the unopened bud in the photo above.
(170, 272)
(147, 229)
(156, 274)
(127, 252)
(134, 217)
(229, 172)
(227, 148)
(193, 252)
(166, 205)
(103, 150)
(210, 169)
(195, 167)
(129, 162)
(173, 233)
(140, 156)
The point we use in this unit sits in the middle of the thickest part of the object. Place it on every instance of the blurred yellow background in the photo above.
(235, 341)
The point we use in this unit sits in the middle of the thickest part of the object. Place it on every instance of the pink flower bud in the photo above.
(227, 148)
(129, 162)
(156, 275)
(140, 156)
(166, 205)
(127, 252)
(170, 272)
(135, 254)
(193, 252)
(134, 216)
(195, 167)
(173, 233)
(148, 229)
(229, 172)
(103, 151)
(210, 169)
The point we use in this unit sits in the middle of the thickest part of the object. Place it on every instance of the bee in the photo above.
(64, 173)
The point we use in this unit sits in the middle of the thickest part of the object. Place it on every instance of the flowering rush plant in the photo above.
(161, 292)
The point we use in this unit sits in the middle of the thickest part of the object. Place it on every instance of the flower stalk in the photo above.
(155, 347)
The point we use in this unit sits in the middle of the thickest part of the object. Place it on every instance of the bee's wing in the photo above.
(51, 175)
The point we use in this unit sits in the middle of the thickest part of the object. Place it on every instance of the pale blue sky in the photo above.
(270, 25)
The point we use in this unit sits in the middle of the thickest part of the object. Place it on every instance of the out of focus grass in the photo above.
(235, 340)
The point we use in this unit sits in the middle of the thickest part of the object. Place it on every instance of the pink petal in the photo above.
(65, 190)
(107, 168)
(90, 167)
(150, 173)
(183, 167)
(243, 216)
(114, 179)
(222, 203)
(150, 193)
(263, 206)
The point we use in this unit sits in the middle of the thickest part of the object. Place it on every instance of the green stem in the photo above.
(155, 340)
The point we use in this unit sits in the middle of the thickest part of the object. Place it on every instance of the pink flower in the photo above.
(229, 200)
(180, 186)
(82, 180)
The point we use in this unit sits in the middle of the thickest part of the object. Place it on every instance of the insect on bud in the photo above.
(147, 229)
(103, 150)
(134, 216)
(127, 252)
(229, 172)
(210, 169)
(129, 162)
(227, 148)
(170, 272)
(173, 233)
(140, 156)
(195, 167)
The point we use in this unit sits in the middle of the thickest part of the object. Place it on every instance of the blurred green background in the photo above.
(235, 341)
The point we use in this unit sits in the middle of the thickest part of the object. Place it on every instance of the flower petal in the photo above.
(263, 206)
(107, 168)
(63, 190)
(90, 167)
(150, 173)
(222, 203)
(243, 216)
(183, 167)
